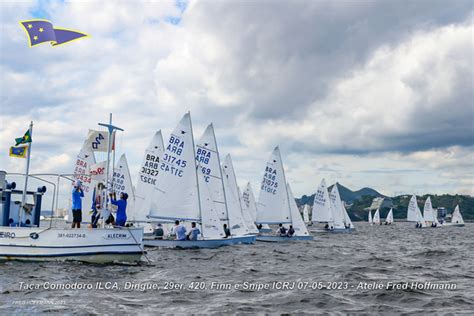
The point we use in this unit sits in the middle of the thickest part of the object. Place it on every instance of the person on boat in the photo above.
(97, 206)
(77, 195)
(326, 226)
(121, 208)
(180, 231)
(259, 226)
(291, 231)
(282, 230)
(226, 231)
(194, 232)
(159, 232)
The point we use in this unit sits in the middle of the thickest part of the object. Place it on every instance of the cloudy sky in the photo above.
(367, 93)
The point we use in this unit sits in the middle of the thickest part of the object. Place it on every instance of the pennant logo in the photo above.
(42, 31)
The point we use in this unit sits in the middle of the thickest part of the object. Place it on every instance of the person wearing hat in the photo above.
(121, 204)
(77, 195)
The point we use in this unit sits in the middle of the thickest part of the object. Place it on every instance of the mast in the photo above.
(222, 178)
(286, 185)
(195, 169)
(111, 128)
(23, 197)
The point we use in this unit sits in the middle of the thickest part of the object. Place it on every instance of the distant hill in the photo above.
(361, 199)
(347, 195)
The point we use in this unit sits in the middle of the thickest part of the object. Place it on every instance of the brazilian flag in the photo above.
(25, 139)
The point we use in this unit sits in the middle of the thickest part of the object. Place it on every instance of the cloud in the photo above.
(343, 87)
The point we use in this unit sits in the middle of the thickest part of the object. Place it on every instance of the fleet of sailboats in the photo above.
(180, 180)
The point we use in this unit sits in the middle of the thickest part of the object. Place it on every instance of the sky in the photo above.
(366, 93)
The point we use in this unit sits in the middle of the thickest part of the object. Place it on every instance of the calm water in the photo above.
(377, 254)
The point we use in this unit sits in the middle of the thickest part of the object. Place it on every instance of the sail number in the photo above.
(269, 183)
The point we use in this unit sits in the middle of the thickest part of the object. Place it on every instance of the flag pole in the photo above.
(23, 197)
(111, 128)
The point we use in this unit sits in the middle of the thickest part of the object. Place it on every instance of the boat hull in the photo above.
(84, 244)
(199, 244)
(282, 239)
(453, 225)
(335, 230)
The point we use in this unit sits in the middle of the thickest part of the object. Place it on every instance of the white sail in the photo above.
(84, 160)
(237, 223)
(428, 214)
(122, 182)
(207, 157)
(322, 205)
(249, 220)
(306, 213)
(211, 227)
(273, 207)
(347, 219)
(412, 212)
(249, 202)
(457, 217)
(297, 222)
(389, 218)
(336, 207)
(147, 178)
(176, 190)
(376, 219)
(370, 217)
(211, 187)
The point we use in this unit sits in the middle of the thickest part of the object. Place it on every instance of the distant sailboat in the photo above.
(370, 220)
(237, 223)
(389, 219)
(339, 211)
(429, 216)
(376, 219)
(147, 177)
(414, 213)
(323, 211)
(276, 205)
(456, 218)
(250, 205)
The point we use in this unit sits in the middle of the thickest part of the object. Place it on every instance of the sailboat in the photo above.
(31, 242)
(456, 218)
(429, 216)
(338, 209)
(376, 218)
(250, 205)
(185, 189)
(347, 219)
(84, 160)
(370, 220)
(146, 182)
(323, 211)
(122, 182)
(389, 219)
(414, 213)
(237, 223)
(276, 204)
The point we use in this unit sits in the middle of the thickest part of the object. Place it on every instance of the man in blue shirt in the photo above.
(194, 232)
(180, 231)
(77, 195)
(121, 204)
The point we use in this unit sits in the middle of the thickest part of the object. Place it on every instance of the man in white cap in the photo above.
(77, 195)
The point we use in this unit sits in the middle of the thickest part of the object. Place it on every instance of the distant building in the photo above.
(442, 212)
(381, 202)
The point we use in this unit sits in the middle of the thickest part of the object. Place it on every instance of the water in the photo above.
(377, 254)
